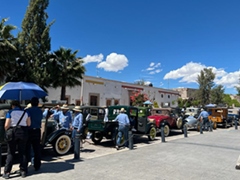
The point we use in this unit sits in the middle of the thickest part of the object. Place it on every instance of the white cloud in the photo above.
(114, 62)
(150, 69)
(189, 72)
(151, 64)
(153, 68)
(156, 71)
(95, 58)
(229, 80)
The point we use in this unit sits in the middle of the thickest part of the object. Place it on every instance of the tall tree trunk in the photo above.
(63, 93)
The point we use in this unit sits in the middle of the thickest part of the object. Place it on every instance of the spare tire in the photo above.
(179, 123)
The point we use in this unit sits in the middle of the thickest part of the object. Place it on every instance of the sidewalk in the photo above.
(212, 155)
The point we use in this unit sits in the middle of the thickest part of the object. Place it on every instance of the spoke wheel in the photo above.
(166, 130)
(152, 133)
(62, 145)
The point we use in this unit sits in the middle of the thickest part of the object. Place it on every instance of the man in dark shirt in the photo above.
(34, 140)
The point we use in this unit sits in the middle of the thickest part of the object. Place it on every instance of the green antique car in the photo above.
(100, 127)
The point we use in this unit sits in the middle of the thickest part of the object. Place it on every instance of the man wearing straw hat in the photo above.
(77, 122)
(65, 117)
(123, 126)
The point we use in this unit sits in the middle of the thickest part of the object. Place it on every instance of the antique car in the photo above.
(109, 129)
(219, 116)
(169, 118)
(190, 117)
(234, 114)
(59, 139)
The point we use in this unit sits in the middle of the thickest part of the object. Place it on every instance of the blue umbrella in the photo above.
(21, 91)
(147, 102)
(210, 105)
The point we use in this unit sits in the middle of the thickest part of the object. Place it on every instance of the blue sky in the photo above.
(165, 42)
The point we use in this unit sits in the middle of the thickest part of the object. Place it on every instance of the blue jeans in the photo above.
(205, 124)
(122, 131)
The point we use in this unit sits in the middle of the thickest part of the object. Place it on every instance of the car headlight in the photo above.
(151, 120)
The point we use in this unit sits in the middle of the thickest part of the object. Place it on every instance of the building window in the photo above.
(116, 102)
(168, 96)
(161, 104)
(161, 95)
(108, 102)
(93, 100)
(77, 102)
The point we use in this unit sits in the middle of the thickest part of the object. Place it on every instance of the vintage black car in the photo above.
(59, 139)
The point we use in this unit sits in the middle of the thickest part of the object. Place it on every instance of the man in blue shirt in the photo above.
(203, 116)
(123, 126)
(77, 122)
(65, 117)
(34, 140)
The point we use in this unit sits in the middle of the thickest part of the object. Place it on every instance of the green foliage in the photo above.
(155, 104)
(205, 81)
(229, 101)
(217, 94)
(238, 87)
(66, 69)
(34, 45)
(7, 49)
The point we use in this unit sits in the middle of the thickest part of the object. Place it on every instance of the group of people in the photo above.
(28, 141)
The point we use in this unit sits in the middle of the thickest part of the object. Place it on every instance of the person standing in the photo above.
(123, 127)
(17, 116)
(34, 132)
(204, 117)
(77, 123)
(65, 117)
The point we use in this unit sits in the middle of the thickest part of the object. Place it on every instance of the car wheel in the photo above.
(152, 133)
(97, 137)
(166, 130)
(62, 145)
(179, 123)
(214, 125)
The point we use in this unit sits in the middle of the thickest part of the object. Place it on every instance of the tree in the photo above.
(66, 69)
(7, 48)
(138, 98)
(229, 101)
(205, 81)
(217, 94)
(34, 45)
(238, 87)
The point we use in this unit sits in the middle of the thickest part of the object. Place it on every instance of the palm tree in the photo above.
(7, 48)
(66, 70)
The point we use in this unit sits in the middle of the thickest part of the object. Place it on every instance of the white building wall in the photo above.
(111, 90)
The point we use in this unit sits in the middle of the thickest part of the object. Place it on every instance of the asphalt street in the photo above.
(211, 155)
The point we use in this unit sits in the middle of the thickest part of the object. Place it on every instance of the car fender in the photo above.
(51, 138)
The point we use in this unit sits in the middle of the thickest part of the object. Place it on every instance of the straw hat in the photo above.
(28, 106)
(122, 110)
(64, 106)
(77, 108)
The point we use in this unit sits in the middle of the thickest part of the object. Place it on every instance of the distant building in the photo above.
(104, 92)
(186, 93)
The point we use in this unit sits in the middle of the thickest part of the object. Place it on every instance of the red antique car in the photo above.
(168, 117)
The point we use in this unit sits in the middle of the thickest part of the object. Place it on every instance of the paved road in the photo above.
(212, 155)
